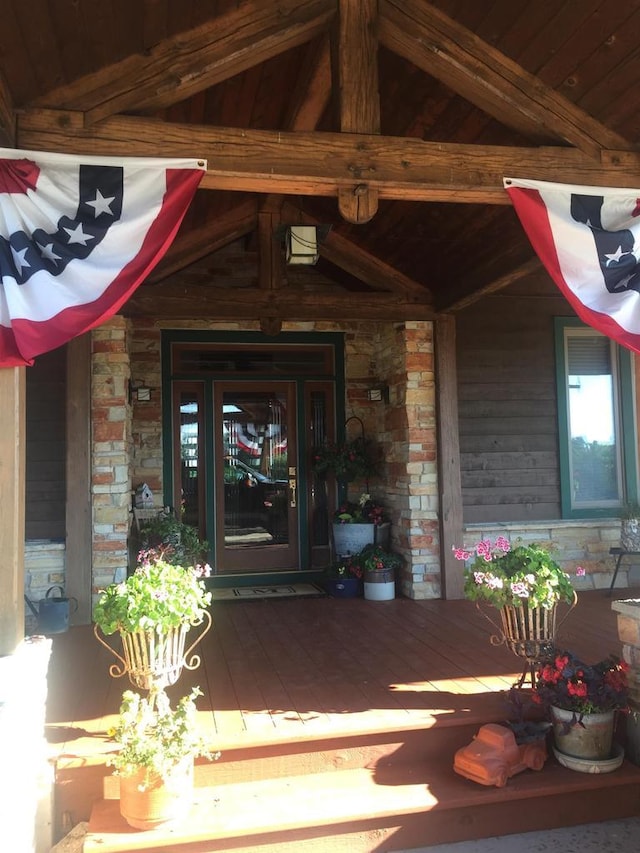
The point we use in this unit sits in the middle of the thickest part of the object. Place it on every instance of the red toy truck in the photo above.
(493, 756)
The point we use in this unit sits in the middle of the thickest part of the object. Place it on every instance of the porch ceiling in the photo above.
(393, 121)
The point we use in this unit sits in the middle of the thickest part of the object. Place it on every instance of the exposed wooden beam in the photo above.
(356, 261)
(194, 60)
(270, 255)
(312, 89)
(320, 163)
(308, 101)
(7, 116)
(482, 75)
(449, 479)
(527, 268)
(188, 301)
(200, 240)
(357, 67)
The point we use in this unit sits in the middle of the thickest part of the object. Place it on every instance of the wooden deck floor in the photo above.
(294, 669)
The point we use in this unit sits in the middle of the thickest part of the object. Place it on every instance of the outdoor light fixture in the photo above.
(302, 244)
(379, 394)
(139, 391)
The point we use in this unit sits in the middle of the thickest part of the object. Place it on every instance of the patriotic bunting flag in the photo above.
(588, 238)
(78, 234)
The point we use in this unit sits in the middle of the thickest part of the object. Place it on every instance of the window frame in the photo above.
(624, 394)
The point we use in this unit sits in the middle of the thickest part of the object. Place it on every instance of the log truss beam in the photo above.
(320, 164)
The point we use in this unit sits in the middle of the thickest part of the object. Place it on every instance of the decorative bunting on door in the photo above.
(588, 238)
(78, 234)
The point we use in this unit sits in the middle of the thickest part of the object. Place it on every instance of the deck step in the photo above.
(250, 759)
(389, 806)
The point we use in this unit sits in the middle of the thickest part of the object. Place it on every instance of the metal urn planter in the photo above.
(529, 632)
(154, 659)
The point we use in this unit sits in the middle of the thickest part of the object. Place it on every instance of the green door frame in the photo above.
(171, 336)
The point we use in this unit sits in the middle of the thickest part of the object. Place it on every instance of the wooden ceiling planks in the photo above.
(69, 52)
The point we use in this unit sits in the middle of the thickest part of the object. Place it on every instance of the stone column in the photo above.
(629, 633)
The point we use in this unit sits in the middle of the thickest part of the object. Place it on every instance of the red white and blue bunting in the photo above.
(78, 234)
(588, 238)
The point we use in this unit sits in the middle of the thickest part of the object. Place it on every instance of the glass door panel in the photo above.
(188, 454)
(256, 479)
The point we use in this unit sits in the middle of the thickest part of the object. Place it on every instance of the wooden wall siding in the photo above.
(507, 404)
(45, 449)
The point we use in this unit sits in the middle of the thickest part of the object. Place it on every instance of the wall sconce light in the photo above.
(302, 244)
(140, 391)
(379, 394)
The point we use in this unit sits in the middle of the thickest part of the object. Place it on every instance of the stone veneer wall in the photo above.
(110, 451)
(44, 568)
(572, 543)
(406, 362)
(628, 619)
(397, 355)
(127, 449)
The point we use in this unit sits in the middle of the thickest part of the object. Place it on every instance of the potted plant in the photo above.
(630, 527)
(157, 746)
(526, 585)
(378, 566)
(153, 610)
(180, 543)
(343, 579)
(347, 460)
(582, 700)
(359, 523)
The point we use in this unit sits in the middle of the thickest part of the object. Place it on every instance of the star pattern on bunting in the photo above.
(100, 195)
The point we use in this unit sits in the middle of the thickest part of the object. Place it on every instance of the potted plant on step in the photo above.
(153, 610)
(157, 746)
(525, 584)
(582, 701)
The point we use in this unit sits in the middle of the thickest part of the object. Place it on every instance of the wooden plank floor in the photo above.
(288, 669)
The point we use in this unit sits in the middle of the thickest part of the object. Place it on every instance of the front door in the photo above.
(256, 477)
(244, 419)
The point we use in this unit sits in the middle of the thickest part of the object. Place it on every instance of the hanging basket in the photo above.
(154, 659)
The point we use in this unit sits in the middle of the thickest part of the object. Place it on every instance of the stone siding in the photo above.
(572, 543)
(44, 567)
(110, 451)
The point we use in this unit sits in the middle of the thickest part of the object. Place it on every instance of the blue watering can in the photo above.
(53, 613)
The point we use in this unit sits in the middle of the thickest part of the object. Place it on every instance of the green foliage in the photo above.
(348, 460)
(570, 684)
(186, 547)
(594, 470)
(374, 557)
(526, 575)
(152, 735)
(158, 595)
(345, 567)
(365, 511)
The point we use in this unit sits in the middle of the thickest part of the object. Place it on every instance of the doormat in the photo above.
(260, 593)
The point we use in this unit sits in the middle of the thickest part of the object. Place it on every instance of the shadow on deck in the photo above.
(337, 720)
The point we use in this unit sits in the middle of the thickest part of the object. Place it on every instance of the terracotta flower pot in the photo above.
(149, 802)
